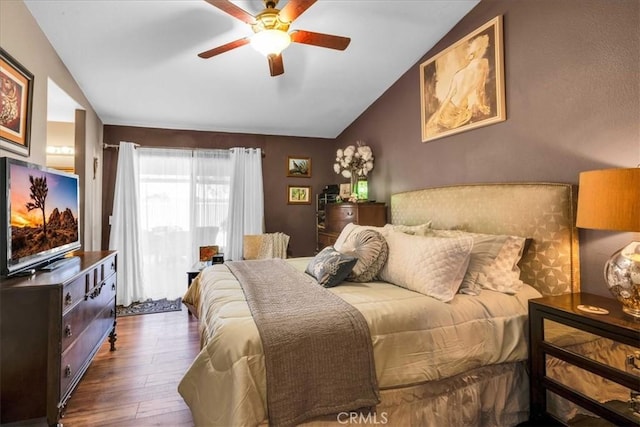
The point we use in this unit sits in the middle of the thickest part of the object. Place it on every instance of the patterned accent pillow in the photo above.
(371, 249)
(352, 228)
(433, 266)
(503, 274)
(330, 267)
(490, 264)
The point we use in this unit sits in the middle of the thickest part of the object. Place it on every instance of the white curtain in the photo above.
(179, 200)
(210, 199)
(125, 227)
(246, 204)
(165, 218)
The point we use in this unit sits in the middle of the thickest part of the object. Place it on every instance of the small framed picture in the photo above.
(345, 191)
(16, 91)
(299, 167)
(299, 195)
(207, 252)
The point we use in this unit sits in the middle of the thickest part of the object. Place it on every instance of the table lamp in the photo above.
(609, 199)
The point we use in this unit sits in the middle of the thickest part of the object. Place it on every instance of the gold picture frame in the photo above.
(16, 91)
(299, 167)
(462, 87)
(299, 195)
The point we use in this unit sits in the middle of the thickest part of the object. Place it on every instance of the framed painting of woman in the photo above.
(462, 87)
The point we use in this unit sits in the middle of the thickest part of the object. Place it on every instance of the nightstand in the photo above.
(560, 334)
(196, 269)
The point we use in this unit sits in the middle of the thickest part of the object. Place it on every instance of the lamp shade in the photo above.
(609, 199)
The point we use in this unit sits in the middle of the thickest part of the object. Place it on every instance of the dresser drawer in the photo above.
(107, 268)
(79, 354)
(75, 291)
(76, 320)
(339, 215)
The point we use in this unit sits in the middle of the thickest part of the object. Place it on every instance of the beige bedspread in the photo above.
(415, 339)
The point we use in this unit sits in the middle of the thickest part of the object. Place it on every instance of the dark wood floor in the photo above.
(137, 384)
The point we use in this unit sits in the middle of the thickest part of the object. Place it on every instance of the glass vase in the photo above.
(359, 187)
(354, 185)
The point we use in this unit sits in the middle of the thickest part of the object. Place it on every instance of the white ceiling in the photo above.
(137, 63)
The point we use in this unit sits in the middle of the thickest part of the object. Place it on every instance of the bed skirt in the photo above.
(496, 395)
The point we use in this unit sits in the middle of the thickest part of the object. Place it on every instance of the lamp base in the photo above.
(632, 312)
(622, 274)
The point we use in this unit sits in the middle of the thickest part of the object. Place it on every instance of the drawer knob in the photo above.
(67, 371)
(633, 363)
(96, 291)
(113, 266)
(67, 331)
(349, 213)
(68, 299)
(113, 286)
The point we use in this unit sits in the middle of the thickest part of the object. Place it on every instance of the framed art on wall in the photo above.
(16, 93)
(299, 195)
(207, 252)
(299, 166)
(462, 87)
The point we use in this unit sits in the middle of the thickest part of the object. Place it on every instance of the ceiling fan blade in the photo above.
(320, 39)
(276, 67)
(233, 10)
(224, 48)
(294, 8)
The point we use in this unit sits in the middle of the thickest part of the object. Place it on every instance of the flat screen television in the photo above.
(38, 215)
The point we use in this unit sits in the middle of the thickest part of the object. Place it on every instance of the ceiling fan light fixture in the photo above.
(270, 42)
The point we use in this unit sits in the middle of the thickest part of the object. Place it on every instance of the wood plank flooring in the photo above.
(136, 385)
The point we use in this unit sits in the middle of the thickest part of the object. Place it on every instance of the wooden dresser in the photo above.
(52, 325)
(337, 215)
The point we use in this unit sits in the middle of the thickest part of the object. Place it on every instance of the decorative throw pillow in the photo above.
(418, 230)
(493, 261)
(352, 228)
(503, 275)
(371, 250)
(433, 266)
(330, 267)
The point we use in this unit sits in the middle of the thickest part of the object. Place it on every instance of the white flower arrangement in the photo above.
(354, 160)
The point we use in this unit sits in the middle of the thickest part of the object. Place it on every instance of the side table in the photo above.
(553, 311)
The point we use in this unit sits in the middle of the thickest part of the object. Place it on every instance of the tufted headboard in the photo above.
(543, 212)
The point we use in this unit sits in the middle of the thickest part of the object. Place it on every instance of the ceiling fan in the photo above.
(271, 28)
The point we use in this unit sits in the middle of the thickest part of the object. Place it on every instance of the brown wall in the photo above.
(573, 104)
(298, 221)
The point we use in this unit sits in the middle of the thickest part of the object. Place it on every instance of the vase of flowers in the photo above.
(354, 162)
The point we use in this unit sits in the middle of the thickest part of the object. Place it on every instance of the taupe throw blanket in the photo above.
(317, 347)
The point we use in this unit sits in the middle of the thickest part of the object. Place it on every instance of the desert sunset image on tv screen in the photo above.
(44, 211)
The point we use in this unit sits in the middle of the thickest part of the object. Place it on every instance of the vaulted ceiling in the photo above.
(137, 63)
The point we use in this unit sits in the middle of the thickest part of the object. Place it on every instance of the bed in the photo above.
(459, 362)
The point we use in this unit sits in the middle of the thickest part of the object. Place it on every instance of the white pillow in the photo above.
(354, 228)
(433, 266)
(503, 274)
(493, 261)
(418, 230)
(370, 247)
